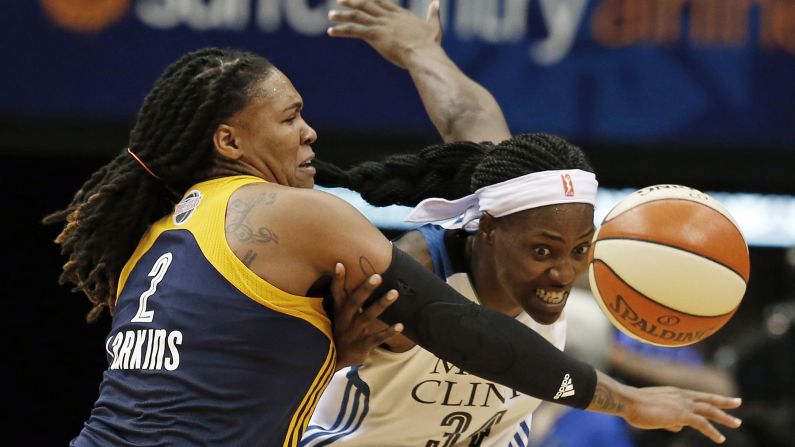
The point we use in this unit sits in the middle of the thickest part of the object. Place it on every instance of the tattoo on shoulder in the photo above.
(239, 211)
(265, 235)
(248, 258)
(605, 399)
(366, 266)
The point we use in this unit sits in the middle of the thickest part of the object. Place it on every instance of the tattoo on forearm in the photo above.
(366, 266)
(605, 400)
(239, 210)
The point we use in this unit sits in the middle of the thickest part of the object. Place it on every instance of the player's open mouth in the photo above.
(307, 168)
(552, 296)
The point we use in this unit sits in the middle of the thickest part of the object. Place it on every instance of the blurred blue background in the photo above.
(695, 92)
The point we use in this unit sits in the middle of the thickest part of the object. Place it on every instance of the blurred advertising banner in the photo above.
(704, 71)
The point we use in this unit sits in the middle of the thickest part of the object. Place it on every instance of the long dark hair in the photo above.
(452, 170)
(172, 135)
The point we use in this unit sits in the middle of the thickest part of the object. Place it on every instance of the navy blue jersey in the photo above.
(202, 351)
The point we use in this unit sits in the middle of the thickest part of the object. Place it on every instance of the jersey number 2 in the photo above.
(157, 273)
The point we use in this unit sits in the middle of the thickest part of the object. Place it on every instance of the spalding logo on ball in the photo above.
(669, 266)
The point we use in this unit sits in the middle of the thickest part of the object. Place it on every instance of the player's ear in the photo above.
(226, 141)
(486, 227)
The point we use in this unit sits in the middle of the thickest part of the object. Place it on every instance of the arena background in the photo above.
(695, 92)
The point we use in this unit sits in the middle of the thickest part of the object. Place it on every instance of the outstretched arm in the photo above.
(487, 343)
(665, 407)
(669, 408)
(461, 109)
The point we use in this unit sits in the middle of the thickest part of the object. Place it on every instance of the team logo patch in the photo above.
(186, 207)
(568, 185)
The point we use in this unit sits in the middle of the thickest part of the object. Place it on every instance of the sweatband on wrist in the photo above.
(479, 340)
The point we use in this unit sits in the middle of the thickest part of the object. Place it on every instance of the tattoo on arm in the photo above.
(248, 258)
(264, 236)
(605, 400)
(236, 226)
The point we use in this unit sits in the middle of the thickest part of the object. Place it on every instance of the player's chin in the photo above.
(304, 179)
(545, 313)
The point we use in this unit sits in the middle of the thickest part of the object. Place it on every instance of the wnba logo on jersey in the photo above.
(186, 207)
(85, 16)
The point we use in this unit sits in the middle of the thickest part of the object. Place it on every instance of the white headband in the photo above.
(511, 196)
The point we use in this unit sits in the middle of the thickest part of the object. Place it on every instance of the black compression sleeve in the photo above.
(479, 340)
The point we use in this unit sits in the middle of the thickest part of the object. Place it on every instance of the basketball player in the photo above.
(205, 240)
(522, 239)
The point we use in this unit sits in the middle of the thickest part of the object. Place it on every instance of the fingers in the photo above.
(377, 308)
(717, 400)
(387, 5)
(705, 412)
(338, 291)
(349, 30)
(380, 337)
(352, 16)
(701, 424)
(347, 304)
(343, 309)
(432, 15)
(363, 292)
(717, 415)
(372, 7)
(434, 19)
(356, 20)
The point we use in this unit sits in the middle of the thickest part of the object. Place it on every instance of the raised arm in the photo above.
(460, 108)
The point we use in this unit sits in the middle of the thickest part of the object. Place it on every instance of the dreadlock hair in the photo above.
(452, 170)
(173, 136)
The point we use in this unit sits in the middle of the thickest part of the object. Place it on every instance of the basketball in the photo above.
(669, 265)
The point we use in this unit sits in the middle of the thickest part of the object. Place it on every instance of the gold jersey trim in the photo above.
(206, 223)
(302, 416)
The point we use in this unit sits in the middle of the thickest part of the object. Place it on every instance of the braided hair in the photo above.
(452, 170)
(173, 136)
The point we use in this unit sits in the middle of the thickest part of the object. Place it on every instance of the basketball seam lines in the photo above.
(653, 300)
(716, 261)
(679, 199)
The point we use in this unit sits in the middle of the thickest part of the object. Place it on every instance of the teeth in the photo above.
(551, 297)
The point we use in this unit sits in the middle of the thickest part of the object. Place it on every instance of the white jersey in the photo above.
(415, 399)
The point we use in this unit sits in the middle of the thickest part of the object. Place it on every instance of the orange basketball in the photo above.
(669, 266)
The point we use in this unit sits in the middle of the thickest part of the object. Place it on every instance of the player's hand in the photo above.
(358, 331)
(391, 30)
(673, 408)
